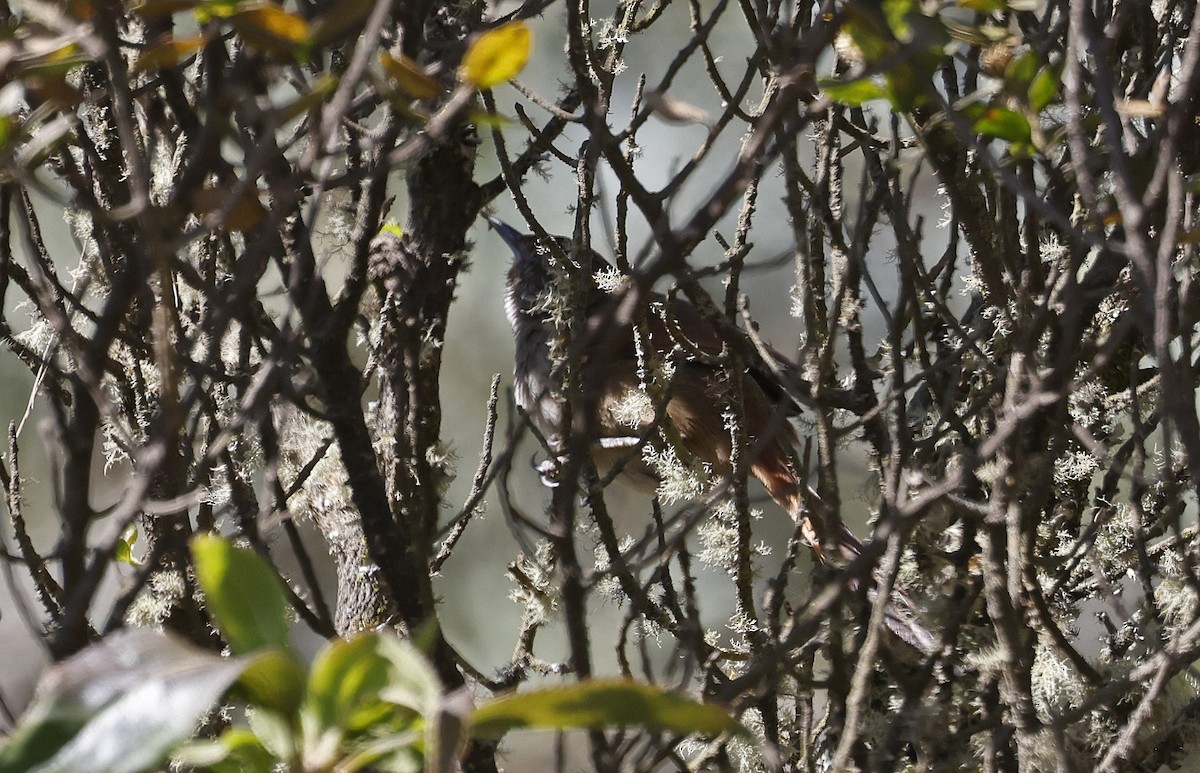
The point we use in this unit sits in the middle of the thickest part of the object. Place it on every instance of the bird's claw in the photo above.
(547, 470)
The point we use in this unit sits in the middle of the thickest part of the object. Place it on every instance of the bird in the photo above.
(696, 401)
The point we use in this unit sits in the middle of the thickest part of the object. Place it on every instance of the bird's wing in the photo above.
(689, 330)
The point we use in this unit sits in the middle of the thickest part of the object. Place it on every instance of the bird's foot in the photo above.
(547, 470)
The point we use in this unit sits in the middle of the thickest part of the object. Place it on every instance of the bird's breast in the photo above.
(531, 375)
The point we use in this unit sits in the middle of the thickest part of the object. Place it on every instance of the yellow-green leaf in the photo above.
(168, 53)
(124, 552)
(1004, 124)
(275, 679)
(275, 21)
(155, 9)
(321, 88)
(1044, 88)
(983, 6)
(490, 120)
(272, 30)
(409, 77)
(243, 594)
(1020, 72)
(344, 684)
(215, 9)
(497, 55)
(600, 704)
(8, 127)
(237, 749)
(56, 63)
(852, 92)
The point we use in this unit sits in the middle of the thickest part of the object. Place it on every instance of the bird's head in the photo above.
(536, 267)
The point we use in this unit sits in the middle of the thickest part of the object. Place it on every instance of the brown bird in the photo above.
(696, 401)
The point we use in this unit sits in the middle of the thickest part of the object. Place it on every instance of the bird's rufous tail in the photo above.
(788, 491)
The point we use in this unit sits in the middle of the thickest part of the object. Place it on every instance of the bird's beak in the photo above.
(511, 236)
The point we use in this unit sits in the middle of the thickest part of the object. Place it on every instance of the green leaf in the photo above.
(599, 704)
(119, 706)
(394, 752)
(908, 83)
(8, 127)
(156, 9)
(412, 682)
(447, 730)
(898, 14)
(489, 120)
(1044, 88)
(124, 551)
(243, 594)
(276, 680)
(56, 63)
(1003, 124)
(238, 750)
(346, 676)
(497, 55)
(273, 731)
(318, 90)
(343, 695)
(409, 76)
(272, 30)
(1021, 71)
(169, 53)
(208, 10)
(358, 684)
(929, 34)
(872, 40)
(983, 6)
(854, 92)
